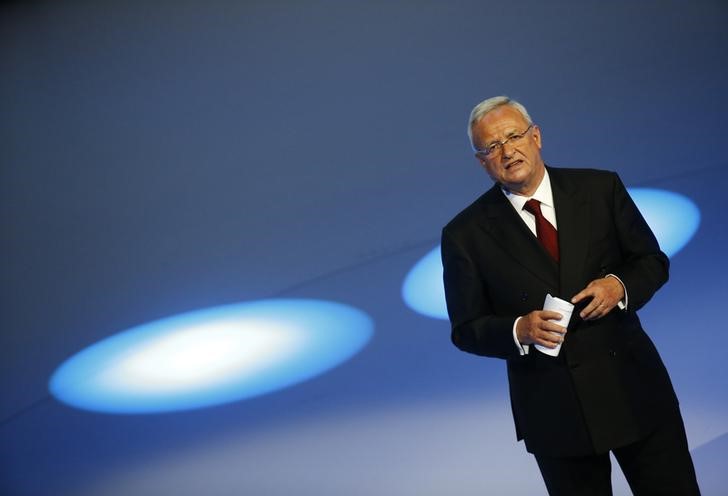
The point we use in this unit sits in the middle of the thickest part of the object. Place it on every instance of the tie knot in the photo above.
(533, 206)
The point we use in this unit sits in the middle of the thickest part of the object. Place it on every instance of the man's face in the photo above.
(517, 165)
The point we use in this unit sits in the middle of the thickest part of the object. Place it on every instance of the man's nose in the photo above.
(507, 150)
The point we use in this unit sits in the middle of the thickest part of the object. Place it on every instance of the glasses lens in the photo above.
(496, 147)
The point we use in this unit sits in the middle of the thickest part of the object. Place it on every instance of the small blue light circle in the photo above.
(212, 356)
(422, 290)
(673, 218)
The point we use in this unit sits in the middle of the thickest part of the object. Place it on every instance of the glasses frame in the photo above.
(497, 146)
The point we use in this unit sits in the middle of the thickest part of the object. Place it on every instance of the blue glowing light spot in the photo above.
(422, 290)
(211, 356)
(673, 218)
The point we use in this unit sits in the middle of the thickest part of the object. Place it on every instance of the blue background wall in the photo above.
(161, 157)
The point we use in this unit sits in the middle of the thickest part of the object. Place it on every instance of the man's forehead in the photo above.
(501, 117)
(500, 122)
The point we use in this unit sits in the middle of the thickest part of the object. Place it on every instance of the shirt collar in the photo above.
(542, 194)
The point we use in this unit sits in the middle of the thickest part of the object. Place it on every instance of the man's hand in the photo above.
(538, 327)
(605, 293)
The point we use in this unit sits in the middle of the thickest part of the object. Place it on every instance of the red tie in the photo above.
(545, 232)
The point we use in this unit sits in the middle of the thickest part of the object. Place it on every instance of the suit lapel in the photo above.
(572, 218)
(508, 230)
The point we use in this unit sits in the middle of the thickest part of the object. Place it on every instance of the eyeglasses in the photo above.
(497, 146)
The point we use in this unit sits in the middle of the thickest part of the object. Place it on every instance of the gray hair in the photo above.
(489, 105)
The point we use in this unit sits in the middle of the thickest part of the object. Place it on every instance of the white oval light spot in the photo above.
(211, 356)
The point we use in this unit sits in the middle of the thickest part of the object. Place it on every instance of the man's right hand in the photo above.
(538, 327)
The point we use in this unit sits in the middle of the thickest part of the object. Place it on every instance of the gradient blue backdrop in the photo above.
(162, 157)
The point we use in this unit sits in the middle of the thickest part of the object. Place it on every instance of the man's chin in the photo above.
(516, 177)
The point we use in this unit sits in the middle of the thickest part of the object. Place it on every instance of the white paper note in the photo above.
(565, 309)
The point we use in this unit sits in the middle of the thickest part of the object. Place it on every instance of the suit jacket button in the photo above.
(524, 296)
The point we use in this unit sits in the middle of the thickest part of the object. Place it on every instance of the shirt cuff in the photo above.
(622, 304)
(522, 348)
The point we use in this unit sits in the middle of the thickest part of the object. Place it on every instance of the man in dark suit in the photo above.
(581, 239)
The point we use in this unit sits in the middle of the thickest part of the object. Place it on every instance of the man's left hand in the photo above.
(605, 293)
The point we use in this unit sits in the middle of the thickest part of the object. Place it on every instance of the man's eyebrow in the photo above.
(506, 135)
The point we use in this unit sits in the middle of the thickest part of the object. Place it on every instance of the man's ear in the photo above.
(481, 161)
(536, 131)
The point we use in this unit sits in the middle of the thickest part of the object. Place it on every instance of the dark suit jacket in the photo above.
(608, 387)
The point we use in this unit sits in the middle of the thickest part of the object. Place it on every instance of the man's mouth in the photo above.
(513, 164)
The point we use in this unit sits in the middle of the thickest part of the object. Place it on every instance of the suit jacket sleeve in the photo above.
(643, 268)
(475, 328)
